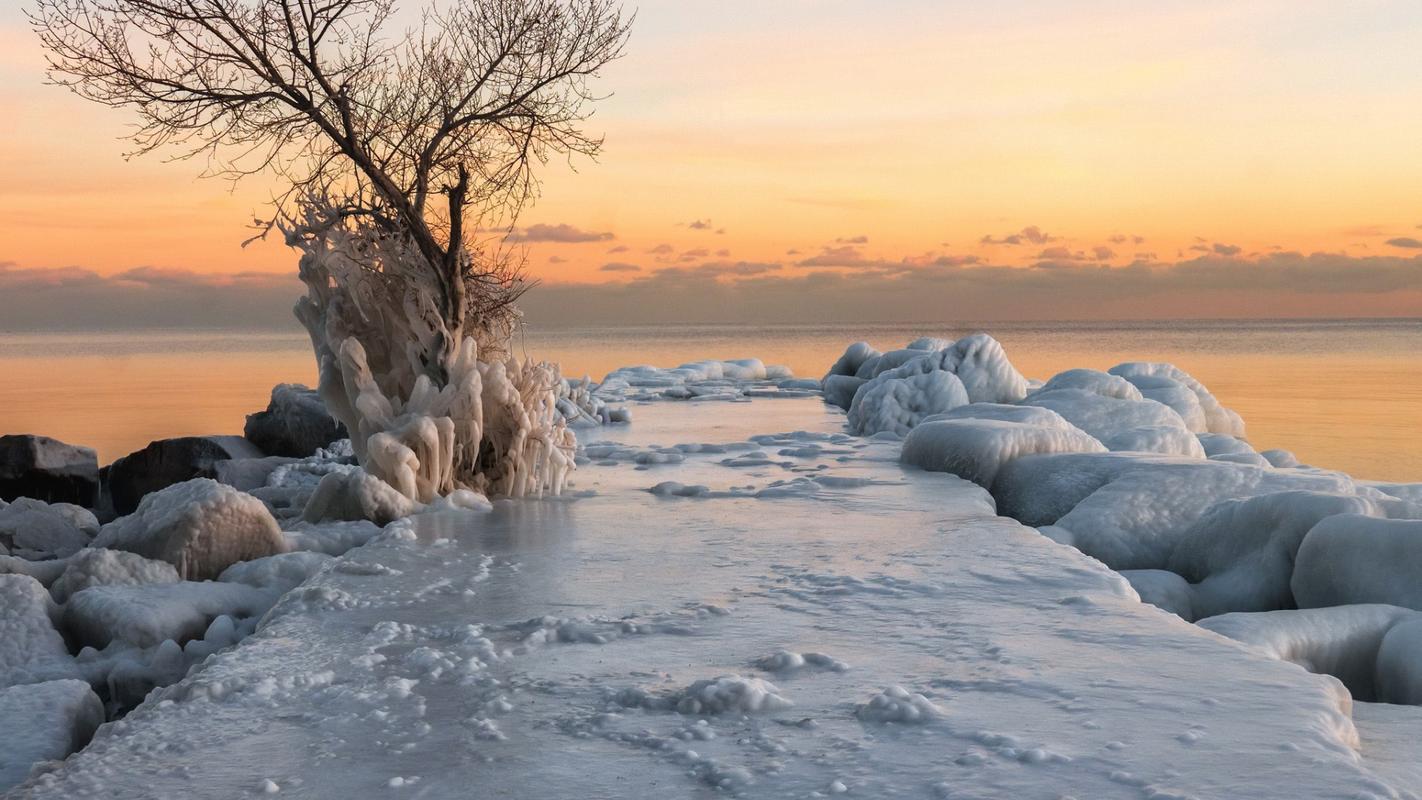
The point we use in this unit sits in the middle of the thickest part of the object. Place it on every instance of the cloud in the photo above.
(1061, 254)
(663, 249)
(1226, 249)
(945, 287)
(621, 248)
(699, 225)
(1028, 235)
(557, 260)
(694, 254)
(861, 239)
(1406, 242)
(843, 256)
(75, 298)
(723, 253)
(562, 233)
(1103, 253)
(1121, 238)
(618, 266)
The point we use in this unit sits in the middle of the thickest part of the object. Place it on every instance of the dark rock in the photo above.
(168, 461)
(296, 423)
(47, 469)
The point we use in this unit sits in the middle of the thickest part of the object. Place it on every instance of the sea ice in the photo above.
(44, 722)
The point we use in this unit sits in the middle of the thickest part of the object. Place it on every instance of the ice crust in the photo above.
(44, 722)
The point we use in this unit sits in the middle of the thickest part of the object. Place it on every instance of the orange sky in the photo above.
(874, 131)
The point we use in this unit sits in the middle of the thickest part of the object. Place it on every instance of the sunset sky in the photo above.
(915, 157)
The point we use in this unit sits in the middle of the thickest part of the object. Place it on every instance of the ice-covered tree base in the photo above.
(432, 406)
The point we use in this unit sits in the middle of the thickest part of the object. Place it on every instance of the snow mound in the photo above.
(710, 380)
(35, 530)
(975, 449)
(854, 357)
(331, 538)
(1093, 381)
(1352, 558)
(897, 404)
(46, 572)
(1164, 590)
(100, 567)
(786, 661)
(200, 526)
(1216, 418)
(31, 649)
(45, 722)
(146, 615)
(899, 706)
(731, 693)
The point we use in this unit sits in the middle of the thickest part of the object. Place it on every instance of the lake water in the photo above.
(1341, 394)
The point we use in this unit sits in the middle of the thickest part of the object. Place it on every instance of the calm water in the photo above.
(1340, 394)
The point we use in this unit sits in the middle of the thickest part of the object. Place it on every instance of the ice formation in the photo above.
(1351, 558)
(35, 530)
(31, 648)
(147, 615)
(101, 567)
(201, 527)
(975, 449)
(700, 381)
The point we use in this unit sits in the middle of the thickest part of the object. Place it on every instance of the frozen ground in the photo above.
(817, 620)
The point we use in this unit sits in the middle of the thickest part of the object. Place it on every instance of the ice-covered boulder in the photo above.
(295, 423)
(168, 461)
(101, 567)
(1217, 418)
(146, 615)
(1027, 415)
(45, 722)
(249, 474)
(1121, 424)
(48, 469)
(37, 530)
(1240, 553)
(1283, 459)
(356, 495)
(1131, 511)
(31, 649)
(200, 526)
(279, 573)
(46, 572)
(839, 389)
(1346, 642)
(897, 404)
(1360, 559)
(975, 449)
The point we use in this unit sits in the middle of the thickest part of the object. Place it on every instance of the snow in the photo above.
(975, 449)
(1351, 558)
(44, 722)
(355, 495)
(495, 649)
(31, 649)
(98, 567)
(280, 573)
(331, 538)
(199, 526)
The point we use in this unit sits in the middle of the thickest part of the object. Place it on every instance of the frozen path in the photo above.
(541, 651)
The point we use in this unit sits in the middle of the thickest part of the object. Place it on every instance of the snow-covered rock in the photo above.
(730, 693)
(975, 449)
(169, 461)
(1360, 559)
(31, 649)
(46, 572)
(897, 404)
(48, 469)
(839, 389)
(146, 615)
(249, 474)
(37, 530)
(201, 527)
(854, 357)
(900, 706)
(295, 423)
(1163, 589)
(356, 495)
(44, 722)
(103, 567)
(1093, 381)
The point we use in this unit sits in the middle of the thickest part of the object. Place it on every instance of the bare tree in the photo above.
(391, 148)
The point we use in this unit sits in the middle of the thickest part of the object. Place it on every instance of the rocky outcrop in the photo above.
(47, 469)
(295, 423)
(168, 461)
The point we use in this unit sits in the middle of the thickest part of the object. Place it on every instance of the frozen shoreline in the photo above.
(543, 650)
